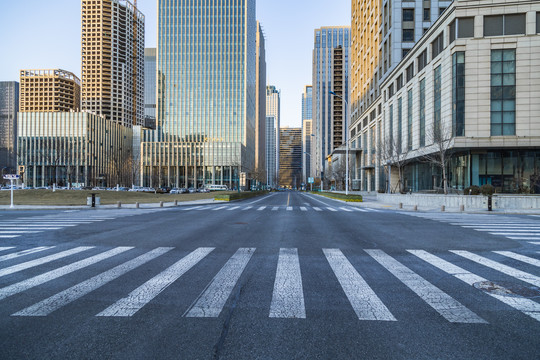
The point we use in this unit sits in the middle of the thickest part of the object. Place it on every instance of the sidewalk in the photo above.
(370, 201)
(168, 204)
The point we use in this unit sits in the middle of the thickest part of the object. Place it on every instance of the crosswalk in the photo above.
(21, 226)
(410, 269)
(514, 228)
(303, 208)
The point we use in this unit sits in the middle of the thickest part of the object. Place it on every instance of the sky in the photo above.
(46, 34)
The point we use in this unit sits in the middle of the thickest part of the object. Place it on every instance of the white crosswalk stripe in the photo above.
(288, 295)
(141, 296)
(5, 248)
(441, 302)
(518, 274)
(289, 208)
(8, 236)
(365, 302)
(527, 306)
(24, 252)
(317, 209)
(65, 297)
(282, 208)
(345, 209)
(275, 208)
(54, 274)
(303, 208)
(213, 299)
(261, 208)
(286, 298)
(331, 209)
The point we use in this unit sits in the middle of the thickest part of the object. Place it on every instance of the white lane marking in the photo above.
(303, 208)
(54, 274)
(24, 252)
(317, 209)
(19, 232)
(192, 208)
(261, 208)
(518, 274)
(519, 257)
(502, 223)
(515, 233)
(373, 210)
(30, 228)
(7, 248)
(535, 242)
(358, 209)
(29, 264)
(345, 209)
(37, 224)
(213, 299)
(529, 307)
(142, 295)
(289, 208)
(202, 208)
(501, 227)
(275, 208)
(330, 208)
(247, 208)
(524, 238)
(288, 295)
(233, 208)
(47, 306)
(219, 208)
(365, 302)
(8, 236)
(444, 304)
(263, 198)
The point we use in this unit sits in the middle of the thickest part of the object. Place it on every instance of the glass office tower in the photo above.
(206, 78)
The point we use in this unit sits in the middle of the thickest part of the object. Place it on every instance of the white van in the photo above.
(217, 187)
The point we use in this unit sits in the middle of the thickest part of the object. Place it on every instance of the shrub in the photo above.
(487, 189)
(473, 190)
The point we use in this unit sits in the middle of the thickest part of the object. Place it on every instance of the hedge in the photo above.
(239, 196)
(338, 196)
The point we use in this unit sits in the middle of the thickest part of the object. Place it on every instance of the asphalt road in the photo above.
(285, 276)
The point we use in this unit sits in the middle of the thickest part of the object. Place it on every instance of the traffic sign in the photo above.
(311, 180)
(11, 177)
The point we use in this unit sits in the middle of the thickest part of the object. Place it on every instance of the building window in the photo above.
(510, 24)
(408, 14)
(458, 93)
(404, 52)
(427, 14)
(399, 82)
(410, 72)
(422, 60)
(465, 27)
(503, 92)
(409, 118)
(422, 114)
(437, 46)
(437, 102)
(408, 35)
(441, 10)
(452, 29)
(391, 124)
(538, 22)
(400, 126)
(390, 91)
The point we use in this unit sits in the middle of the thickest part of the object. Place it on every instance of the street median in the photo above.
(239, 196)
(338, 196)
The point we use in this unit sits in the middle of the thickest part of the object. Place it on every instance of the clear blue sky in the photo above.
(43, 34)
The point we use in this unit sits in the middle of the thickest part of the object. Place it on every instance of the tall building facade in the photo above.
(150, 86)
(206, 97)
(113, 60)
(290, 154)
(273, 113)
(382, 35)
(260, 129)
(9, 106)
(330, 73)
(50, 90)
(307, 131)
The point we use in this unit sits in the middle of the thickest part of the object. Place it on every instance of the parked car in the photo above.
(192, 190)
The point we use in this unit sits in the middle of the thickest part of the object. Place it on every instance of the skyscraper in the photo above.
(150, 86)
(290, 154)
(206, 96)
(273, 106)
(307, 131)
(260, 128)
(9, 106)
(330, 73)
(113, 60)
(51, 90)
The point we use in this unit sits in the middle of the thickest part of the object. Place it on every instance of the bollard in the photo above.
(93, 200)
(175, 202)
(490, 202)
(442, 207)
(161, 204)
(462, 208)
(415, 208)
(136, 205)
(401, 205)
(119, 204)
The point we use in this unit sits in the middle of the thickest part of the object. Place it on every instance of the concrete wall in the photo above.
(470, 201)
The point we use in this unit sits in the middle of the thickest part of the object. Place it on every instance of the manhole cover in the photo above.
(508, 289)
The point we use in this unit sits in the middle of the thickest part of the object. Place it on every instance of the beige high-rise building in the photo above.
(49, 90)
(113, 60)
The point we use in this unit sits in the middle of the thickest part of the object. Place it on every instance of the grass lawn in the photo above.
(78, 197)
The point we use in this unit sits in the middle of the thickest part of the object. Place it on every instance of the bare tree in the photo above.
(439, 153)
(392, 154)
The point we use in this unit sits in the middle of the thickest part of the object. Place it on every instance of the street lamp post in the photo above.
(346, 143)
